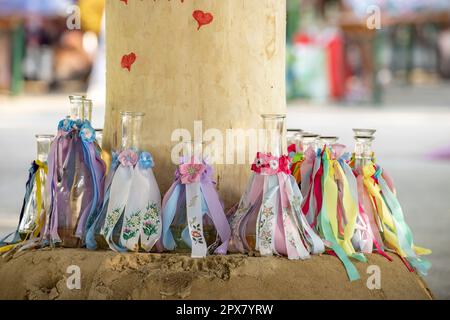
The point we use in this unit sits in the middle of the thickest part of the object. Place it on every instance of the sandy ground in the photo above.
(406, 134)
(107, 275)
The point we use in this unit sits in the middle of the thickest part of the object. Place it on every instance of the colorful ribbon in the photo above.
(270, 208)
(396, 233)
(133, 198)
(193, 194)
(32, 215)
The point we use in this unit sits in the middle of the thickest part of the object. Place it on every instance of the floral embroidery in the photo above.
(111, 220)
(265, 227)
(196, 231)
(128, 158)
(297, 202)
(132, 225)
(151, 220)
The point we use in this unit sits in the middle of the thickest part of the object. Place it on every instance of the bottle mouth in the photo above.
(273, 116)
(329, 139)
(310, 135)
(371, 138)
(44, 136)
(364, 132)
(295, 130)
(77, 96)
(132, 113)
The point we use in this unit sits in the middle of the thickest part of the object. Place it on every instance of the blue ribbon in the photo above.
(404, 234)
(169, 212)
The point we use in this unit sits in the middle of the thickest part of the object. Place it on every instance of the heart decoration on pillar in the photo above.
(128, 60)
(202, 18)
(125, 1)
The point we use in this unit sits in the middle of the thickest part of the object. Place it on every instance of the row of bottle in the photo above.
(294, 205)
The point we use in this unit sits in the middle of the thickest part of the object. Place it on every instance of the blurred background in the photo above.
(350, 63)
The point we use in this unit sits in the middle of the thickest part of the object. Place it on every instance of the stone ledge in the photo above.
(42, 274)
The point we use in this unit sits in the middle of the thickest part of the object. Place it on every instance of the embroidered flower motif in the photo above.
(132, 225)
(87, 133)
(196, 233)
(128, 158)
(285, 164)
(151, 220)
(146, 160)
(191, 172)
(111, 220)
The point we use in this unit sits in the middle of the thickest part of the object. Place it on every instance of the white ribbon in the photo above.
(142, 218)
(119, 192)
(195, 220)
(265, 230)
(295, 199)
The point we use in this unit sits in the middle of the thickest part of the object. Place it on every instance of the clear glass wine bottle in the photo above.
(30, 215)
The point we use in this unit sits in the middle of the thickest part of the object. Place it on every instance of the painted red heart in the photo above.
(128, 60)
(202, 18)
(125, 1)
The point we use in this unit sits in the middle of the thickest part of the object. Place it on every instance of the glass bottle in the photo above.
(80, 108)
(131, 123)
(192, 151)
(294, 137)
(363, 151)
(310, 141)
(28, 222)
(75, 179)
(274, 128)
(99, 137)
(364, 132)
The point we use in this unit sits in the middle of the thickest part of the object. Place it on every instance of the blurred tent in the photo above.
(41, 7)
(398, 7)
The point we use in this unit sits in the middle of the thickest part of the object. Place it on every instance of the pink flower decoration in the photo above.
(259, 163)
(128, 158)
(284, 164)
(292, 148)
(272, 165)
(191, 172)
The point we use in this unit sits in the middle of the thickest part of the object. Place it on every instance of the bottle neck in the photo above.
(131, 130)
(363, 152)
(43, 147)
(274, 129)
(80, 109)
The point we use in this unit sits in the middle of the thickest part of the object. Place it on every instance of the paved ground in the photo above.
(406, 134)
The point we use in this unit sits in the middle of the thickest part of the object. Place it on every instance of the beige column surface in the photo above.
(225, 73)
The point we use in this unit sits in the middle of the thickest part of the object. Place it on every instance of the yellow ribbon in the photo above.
(39, 195)
(350, 210)
(42, 166)
(387, 227)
